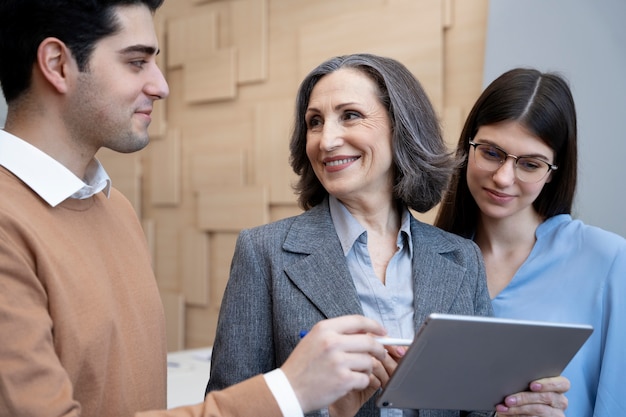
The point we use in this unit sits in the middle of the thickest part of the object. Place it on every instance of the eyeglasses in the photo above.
(527, 169)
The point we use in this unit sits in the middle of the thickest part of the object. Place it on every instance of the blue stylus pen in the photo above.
(389, 341)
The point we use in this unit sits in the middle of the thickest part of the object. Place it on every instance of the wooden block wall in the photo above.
(218, 161)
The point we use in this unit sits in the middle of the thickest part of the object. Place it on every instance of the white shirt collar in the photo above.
(48, 177)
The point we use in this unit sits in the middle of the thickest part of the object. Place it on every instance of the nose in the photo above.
(331, 136)
(157, 86)
(505, 174)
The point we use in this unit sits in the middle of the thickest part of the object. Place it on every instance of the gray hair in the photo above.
(422, 163)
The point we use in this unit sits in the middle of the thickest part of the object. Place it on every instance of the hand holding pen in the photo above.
(336, 357)
(379, 367)
(396, 347)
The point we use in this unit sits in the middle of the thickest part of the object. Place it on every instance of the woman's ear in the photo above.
(54, 61)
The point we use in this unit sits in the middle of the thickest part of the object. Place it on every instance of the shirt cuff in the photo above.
(283, 393)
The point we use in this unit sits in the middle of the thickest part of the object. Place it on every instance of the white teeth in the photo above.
(339, 162)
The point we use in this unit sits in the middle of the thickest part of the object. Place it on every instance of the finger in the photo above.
(356, 343)
(356, 381)
(535, 404)
(390, 364)
(397, 352)
(352, 372)
(529, 411)
(351, 324)
(380, 372)
(330, 342)
(558, 384)
(349, 333)
(377, 380)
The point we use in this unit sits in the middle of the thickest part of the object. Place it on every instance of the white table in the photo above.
(187, 376)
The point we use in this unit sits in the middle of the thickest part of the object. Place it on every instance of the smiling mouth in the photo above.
(499, 194)
(340, 162)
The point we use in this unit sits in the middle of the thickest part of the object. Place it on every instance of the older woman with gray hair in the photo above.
(367, 147)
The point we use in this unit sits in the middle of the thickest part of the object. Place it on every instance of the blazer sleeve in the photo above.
(249, 398)
(244, 343)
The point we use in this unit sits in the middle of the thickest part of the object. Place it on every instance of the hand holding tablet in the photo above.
(451, 353)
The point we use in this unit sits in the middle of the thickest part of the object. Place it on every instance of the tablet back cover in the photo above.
(472, 363)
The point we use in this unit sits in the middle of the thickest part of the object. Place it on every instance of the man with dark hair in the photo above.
(81, 322)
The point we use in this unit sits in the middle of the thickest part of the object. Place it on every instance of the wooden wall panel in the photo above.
(410, 31)
(282, 211)
(218, 169)
(453, 119)
(168, 224)
(174, 306)
(165, 169)
(158, 126)
(234, 67)
(200, 326)
(227, 209)
(447, 11)
(222, 249)
(249, 30)
(464, 53)
(191, 37)
(271, 146)
(212, 78)
(194, 253)
(217, 127)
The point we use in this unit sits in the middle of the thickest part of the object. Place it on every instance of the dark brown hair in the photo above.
(543, 104)
(80, 24)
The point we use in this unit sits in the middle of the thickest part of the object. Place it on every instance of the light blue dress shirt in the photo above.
(577, 274)
(391, 304)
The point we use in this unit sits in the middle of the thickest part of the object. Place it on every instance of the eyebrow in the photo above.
(337, 107)
(145, 49)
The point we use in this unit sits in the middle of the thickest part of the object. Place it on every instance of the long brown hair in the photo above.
(543, 104)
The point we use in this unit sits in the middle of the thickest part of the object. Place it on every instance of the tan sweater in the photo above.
(81, 322)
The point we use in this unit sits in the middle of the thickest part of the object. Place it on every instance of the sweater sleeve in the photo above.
(251, 397)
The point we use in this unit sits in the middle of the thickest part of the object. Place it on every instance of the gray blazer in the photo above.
(288, 275)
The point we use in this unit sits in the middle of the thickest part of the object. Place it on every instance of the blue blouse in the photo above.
(390, 304)
(577, 274)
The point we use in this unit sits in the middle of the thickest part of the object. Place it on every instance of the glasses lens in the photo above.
(488, 157)
(531, 169)
(526, 169)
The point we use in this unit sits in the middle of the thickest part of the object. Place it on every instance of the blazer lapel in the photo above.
(432, 295)
(318, 266)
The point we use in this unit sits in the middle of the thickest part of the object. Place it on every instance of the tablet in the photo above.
(471, 363)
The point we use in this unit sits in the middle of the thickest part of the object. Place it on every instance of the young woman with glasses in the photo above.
(513, 196)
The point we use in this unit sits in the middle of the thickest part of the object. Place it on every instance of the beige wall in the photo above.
(218, 159)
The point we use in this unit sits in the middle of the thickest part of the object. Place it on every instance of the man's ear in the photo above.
(55, 62)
